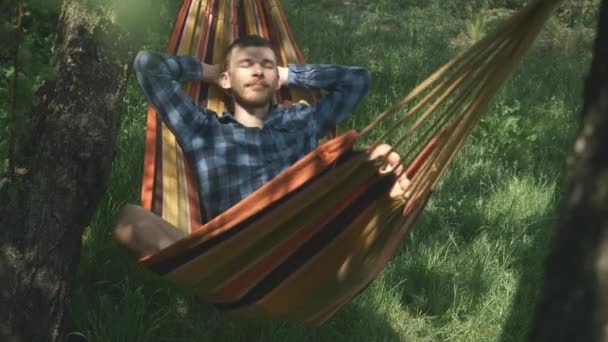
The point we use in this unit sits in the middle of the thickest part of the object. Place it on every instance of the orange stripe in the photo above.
(196, 217)
(204, 39)
(183, 210)
(179, 25)
(323, 316)
(148, 178)
(262, 19)
(234, 20)
(417, 163)
(236, 287)
(249, 24)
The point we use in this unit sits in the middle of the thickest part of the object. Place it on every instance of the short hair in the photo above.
(245, 42)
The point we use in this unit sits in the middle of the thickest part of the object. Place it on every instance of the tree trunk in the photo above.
(61, 167)
(573, 304)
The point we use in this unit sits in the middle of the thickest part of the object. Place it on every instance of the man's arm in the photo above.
(160, 77)
(345, 87)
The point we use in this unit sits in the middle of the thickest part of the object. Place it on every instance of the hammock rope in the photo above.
(311, 239)
(456, 95)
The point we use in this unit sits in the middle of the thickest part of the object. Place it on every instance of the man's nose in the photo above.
(257, 69)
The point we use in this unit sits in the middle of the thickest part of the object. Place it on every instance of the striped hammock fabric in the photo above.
(310, 240)
(205, 28)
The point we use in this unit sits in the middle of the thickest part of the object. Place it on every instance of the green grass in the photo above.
(471, 269)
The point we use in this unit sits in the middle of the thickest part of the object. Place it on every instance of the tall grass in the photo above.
(471, 269)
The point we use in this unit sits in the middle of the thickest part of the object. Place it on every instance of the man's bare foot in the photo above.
(394, 165)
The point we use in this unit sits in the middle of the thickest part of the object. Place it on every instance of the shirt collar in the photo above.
(273, 112)
(227, 117)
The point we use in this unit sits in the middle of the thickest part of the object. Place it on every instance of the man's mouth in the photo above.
(257, 85)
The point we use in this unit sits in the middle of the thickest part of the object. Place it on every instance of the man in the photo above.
(237, 153)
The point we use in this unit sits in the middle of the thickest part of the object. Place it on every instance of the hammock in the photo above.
(310, 240)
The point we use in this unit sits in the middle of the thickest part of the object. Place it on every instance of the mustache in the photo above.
(257, 82)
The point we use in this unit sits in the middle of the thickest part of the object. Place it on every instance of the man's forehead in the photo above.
(253, 52)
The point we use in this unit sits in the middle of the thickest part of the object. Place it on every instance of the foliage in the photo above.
(571, 12)
(579, 13)
(39, 23)
(128, 25)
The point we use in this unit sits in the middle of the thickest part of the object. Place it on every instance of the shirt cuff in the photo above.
(191, 68)
(296, 76)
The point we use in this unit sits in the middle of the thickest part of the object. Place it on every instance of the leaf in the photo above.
(9, 72)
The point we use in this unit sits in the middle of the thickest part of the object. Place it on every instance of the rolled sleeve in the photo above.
(160, 76)
(345, 85)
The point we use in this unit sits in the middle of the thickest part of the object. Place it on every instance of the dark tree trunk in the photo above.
(573, 304)
(61, 166)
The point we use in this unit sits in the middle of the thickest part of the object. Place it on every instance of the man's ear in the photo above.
(225, 81)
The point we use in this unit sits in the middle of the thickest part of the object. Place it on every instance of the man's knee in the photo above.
(143, 231)
(126, 222)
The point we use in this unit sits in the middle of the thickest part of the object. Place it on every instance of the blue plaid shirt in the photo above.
(230, 160)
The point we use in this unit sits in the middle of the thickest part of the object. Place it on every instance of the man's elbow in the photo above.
(364, 80)
(143, 61)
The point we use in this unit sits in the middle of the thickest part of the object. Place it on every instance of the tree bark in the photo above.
(61, 167)
(573, 303)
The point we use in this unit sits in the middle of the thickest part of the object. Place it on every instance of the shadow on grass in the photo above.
(466, 212)
(120, 301)
(431, 292)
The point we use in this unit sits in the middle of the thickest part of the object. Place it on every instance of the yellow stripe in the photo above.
(183, 205)
(169, 177)
(183, 221)
(173, 184)
(250, 18)
(257, 19)
(222, 40)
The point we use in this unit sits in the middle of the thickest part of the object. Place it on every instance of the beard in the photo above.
(248, 98)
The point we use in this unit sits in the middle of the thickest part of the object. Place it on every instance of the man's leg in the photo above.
(144, 233)
(394, 165)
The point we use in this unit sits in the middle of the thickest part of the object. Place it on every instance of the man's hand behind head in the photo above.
(283, 76)
(211, 73)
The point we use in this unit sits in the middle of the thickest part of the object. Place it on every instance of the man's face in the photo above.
(252, 75)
